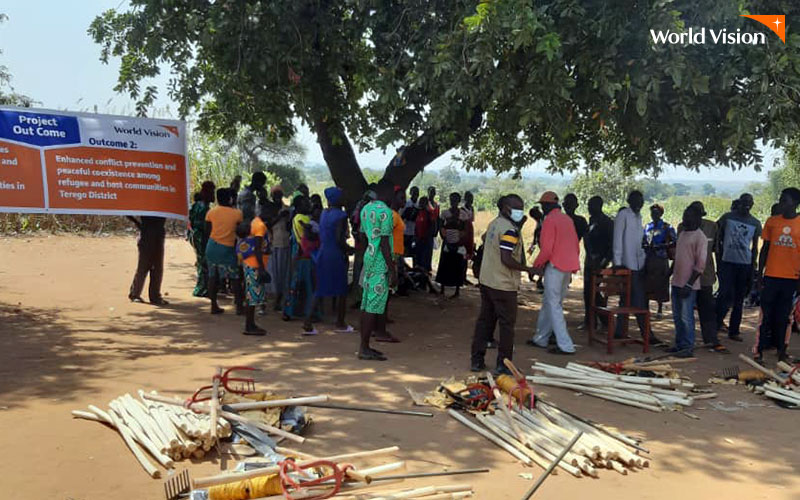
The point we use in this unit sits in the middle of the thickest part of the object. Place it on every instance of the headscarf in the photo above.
(333, 194)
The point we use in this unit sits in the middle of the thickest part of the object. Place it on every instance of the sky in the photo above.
(53, 60)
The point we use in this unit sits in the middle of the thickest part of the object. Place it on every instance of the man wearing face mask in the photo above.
(500, 275)
(558, 258)
(629, 254)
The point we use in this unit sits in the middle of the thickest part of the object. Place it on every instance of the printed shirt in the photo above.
(197, 216)
(599, 240)
(709, 229)
(257, 229)
(398, 230)
(223, 224)
(691, 252)
(558, 244)
(783, 235)
(628, 234)
(501, 234)
(657, 237)
(736, 234)
(376, 222)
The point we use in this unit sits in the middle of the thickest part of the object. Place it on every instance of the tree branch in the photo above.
(425, 149)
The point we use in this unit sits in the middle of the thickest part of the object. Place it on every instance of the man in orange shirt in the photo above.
(779, 264)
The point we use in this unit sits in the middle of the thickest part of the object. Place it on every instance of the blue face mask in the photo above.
(517, 215)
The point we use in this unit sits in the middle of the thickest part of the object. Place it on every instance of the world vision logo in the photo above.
(775, 23)
(698, 36)
(171, 129)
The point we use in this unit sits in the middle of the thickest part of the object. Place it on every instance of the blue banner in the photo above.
(39, 129)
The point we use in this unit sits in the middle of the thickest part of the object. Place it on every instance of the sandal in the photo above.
(388, 338)
(371, 356)
(313, 331)
(255, 330)
(346, 329)
(720, 349)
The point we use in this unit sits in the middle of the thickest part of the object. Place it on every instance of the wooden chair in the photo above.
(609, 283)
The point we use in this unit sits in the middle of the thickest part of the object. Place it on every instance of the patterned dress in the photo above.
(198, 237)
(376, 223)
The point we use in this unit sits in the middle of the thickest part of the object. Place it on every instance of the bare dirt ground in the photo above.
(69, 337)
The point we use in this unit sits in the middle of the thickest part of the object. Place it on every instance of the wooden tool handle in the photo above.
(215, 404)
(517, 374)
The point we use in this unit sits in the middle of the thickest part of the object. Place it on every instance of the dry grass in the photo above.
(482, 220)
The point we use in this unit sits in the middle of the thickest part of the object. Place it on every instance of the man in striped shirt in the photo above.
(500, 276)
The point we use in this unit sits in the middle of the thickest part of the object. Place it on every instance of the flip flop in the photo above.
(257, 331)
(371, 356)
(347, 329)
(719, 348)
(313, 331)
(389, 339)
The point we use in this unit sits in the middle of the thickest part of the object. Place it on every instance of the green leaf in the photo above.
(700, 84)
(641, 103)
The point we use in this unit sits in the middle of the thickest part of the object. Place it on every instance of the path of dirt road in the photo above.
(69, 337)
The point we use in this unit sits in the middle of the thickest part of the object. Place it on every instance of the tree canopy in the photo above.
(507, 82)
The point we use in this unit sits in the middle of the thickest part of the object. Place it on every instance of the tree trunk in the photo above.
(346, 173)
(341, 160)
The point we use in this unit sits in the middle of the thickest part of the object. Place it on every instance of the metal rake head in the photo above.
(729, 373)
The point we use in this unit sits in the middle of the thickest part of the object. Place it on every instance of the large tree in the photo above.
(508, 82)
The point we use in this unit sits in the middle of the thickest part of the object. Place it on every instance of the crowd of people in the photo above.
(250, 244)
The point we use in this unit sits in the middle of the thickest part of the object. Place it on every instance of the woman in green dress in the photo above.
(198, 235)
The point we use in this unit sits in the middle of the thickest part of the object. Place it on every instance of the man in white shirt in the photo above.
(629, 254)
